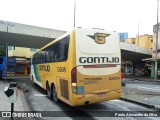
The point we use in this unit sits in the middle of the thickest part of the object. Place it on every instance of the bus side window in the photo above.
(56, 55)
(42, 56)
(38, 57)
(34, 59)
(52, 55)
(47, 56)
(59, 49)
(65, 47)
(66, 51)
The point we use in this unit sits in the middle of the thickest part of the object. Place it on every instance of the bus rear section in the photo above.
(11, 66)
(1, 66)
(97, 74)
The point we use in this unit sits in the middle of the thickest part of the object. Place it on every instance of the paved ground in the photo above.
(148, 79)
(5, 105)
(150, 99)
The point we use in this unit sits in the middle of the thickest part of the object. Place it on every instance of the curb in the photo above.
(156, 107)
(146, 80)
(22, 88)
(139, 79)
(24, 101)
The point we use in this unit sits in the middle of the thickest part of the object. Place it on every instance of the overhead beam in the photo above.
(22, 35)
(135, 48)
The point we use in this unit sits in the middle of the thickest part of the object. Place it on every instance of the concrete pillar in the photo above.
(125, 67)
(152, 69)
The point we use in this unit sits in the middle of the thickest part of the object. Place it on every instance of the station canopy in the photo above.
(20, 35)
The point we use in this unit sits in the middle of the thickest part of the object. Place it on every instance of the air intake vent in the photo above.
(64, 88)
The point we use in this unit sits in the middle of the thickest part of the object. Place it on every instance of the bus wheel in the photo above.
(48, 91)
(54, 92)
(32, 79)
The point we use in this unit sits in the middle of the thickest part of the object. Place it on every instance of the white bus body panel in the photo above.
(86, 47)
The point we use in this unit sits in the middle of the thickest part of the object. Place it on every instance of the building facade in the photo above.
(140, 68)
(130, 40)
(144, 41)
(22, 56)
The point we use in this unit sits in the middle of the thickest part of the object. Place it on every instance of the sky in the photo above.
(111, 15)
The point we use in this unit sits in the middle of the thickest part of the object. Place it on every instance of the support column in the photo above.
(153, 69)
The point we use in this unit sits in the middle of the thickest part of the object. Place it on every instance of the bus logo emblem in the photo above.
(99, 37)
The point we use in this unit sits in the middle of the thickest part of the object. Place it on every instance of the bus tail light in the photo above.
(74, 76)
(74, 80)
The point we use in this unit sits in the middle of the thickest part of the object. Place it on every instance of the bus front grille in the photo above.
(64, 88)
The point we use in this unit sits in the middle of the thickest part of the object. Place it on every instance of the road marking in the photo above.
(39, 95)
(157, 87)
(146, 99)
(150, 89)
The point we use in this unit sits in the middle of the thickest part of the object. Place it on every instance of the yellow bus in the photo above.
(81, 67)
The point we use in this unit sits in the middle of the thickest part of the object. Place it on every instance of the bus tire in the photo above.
(48, 90)
(54, 94)
(32, 79)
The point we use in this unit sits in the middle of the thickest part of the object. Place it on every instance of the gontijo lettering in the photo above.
(98, 60)
(44, 68)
